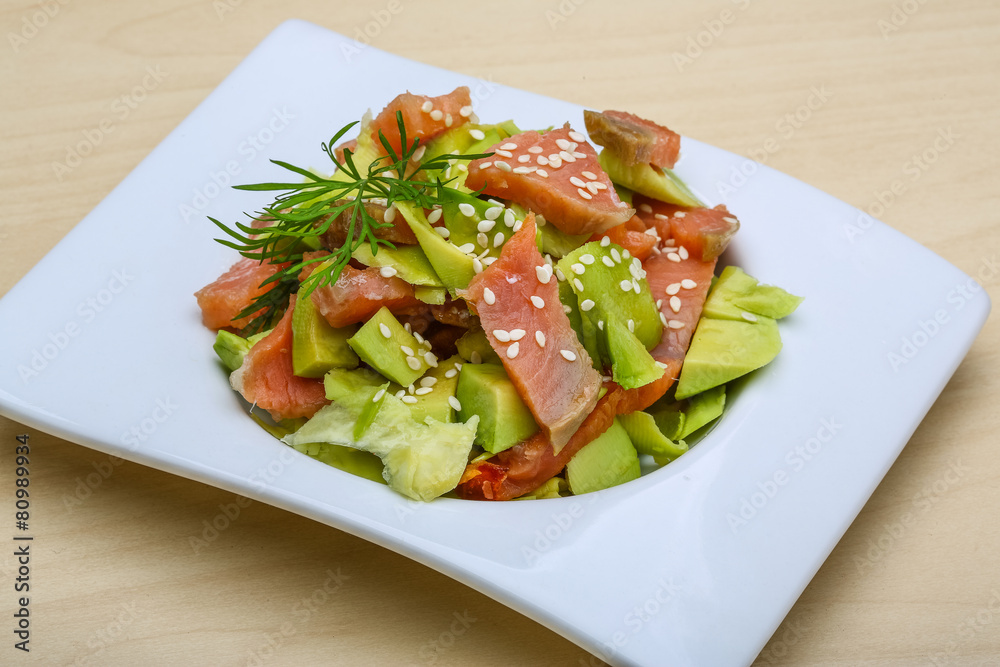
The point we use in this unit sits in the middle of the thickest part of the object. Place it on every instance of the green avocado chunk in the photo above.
(607, 461)
(723, 350)
(504, 419)
(432, 397)
(648, 439)
(475, 348)
(453, 267)
(407, 261)
(386, 346)
(231, 349)
(316, 346)
(661, 184)
(736, 293)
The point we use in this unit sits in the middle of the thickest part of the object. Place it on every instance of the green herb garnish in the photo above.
(306, 210)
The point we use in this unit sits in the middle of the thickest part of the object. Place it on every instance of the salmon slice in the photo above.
(234, 291)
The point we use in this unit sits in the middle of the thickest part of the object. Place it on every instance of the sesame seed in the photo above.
(576, 136)
(568, 355)
(749, 317)
(477, 265)
(467, 209)
(578, 155)
(645, 208)
(509, 146)
(560, 276)
(663, 318)
(407, 350)
(660, 216)
(491, 213)
(675, 324)
(387, 271)
(378, 395)
(589, 174)
(542, 173)
(517, 225)
(537, 301)
(631, 326)
(486, 225)
(626, 285)
(448, 120)
(540, 338)
(489, 260)
(605, 241)
(625, 253)
(467, 248)
(687, 283)
(430, 359)
(385, 330)
(428, 381)
(482, 240)
(513, 350)
(434, 216)
(617, 256)
(501, 335)
(517, 334)
(567, 156)
(465, 111)
(498, 240)
(420, 339)
(522, 170)
(475, 357)
(578, 268)
(413, 363)
(542, 160)
(586, 304)
(659, 302)
(600, 324)
(673, 288)
(679, 214)
(503, 166)
(535, 149)
(523, 158)
(583, 193)
(458, 365)
(502, 153)
(450, 373)
(555, 161)
(544, 273)
(729, 219)
(673, 257)
(563, 144)
(660, 364)
(675, 304)
(682, 251)
(427, 106)
(567, 309)
(509, 218)
(410, 400)
(437, 114)
(578, 284)
(593, 188)
(408, 328)
(608, 262)
(635, 286)
(423, 391)
(488, 296)
(400, 394)
(453, 402)
(478, 135)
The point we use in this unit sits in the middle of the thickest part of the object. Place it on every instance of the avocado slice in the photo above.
(479, 226)
(453, 267)
(648, 439)
(619, 318)
(475, 348)
(736, 293)
(607, 461)
(435, 391)
(316, 346)
(231, 349)
(353, 387)
(386, 346)
(504, 419)
(723, 350)
(408, 261)
(435, 296)
(661, 184)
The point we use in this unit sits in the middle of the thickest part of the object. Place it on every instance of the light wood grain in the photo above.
(115, 578)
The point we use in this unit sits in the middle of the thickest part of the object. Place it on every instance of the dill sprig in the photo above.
(303, 212)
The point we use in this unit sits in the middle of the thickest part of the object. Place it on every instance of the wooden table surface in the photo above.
(846, 96)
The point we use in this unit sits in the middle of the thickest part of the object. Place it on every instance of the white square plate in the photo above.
(696, 563)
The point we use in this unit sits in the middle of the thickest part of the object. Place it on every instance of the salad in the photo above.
(470, 309)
